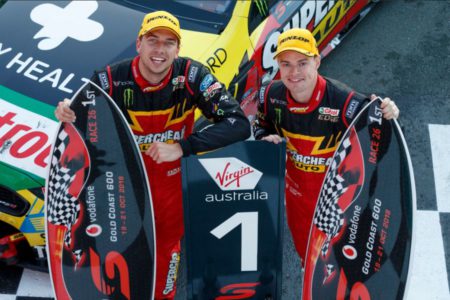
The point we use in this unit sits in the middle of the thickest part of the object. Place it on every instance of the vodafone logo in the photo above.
(93, 230)
(349, 252)
(230, 173)
(72, 21)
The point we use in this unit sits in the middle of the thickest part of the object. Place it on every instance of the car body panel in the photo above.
(224, 56)
(42, 62)
(30, 224)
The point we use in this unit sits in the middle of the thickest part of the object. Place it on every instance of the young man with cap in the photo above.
(158, 92)
(312, 112)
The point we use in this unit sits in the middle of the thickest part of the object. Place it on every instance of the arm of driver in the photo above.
(162, 152)
(388, 107)
(63, 112)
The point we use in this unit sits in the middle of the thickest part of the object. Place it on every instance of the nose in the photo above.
(296, 69)
(159, 46)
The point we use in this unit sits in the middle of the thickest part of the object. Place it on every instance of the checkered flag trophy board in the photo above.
(329, 216)
(67, 163)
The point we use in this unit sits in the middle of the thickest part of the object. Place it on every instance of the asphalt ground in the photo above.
(401, 50)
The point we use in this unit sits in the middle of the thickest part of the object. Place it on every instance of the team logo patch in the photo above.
(212, 90)
(178, 82)
(277, 101)
(128, 97)
(298, 109)
(231, 120)
(328, 114)
(104, 82)
(262, 91)
(192, 73)
(328, 111)
(122, 83)
(206, 82)
(224, 98)
(172, 273)
(277, 115)
(351, 109)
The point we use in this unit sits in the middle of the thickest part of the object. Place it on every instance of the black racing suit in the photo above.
(312, 131)
(165, 113)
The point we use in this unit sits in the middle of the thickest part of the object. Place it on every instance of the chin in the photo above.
(158, 69)
(298, 86)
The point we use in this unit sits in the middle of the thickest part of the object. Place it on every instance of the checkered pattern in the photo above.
(63, 208)
(329, 216)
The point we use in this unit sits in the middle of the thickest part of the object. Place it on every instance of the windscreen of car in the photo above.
(217, 7)
(195, 15)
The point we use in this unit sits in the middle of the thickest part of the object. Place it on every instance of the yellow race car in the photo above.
(42, 63)
(240, 46)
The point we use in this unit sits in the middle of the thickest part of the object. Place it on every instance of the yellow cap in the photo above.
(299, 40)
(160, 20)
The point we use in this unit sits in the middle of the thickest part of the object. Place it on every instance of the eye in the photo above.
(152, 41)
(171, 43)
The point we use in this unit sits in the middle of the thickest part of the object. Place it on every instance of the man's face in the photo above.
(297, 71)
(157, 50)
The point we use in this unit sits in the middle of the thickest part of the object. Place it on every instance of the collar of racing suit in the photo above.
(316, 98)
(146, 86)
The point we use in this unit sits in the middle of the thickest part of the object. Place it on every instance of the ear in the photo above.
(138, 44)
(178, 50)
(317, 60)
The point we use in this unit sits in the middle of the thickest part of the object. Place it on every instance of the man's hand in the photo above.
(388, 107)
(162, 152)
(273, 138)
(63, 112)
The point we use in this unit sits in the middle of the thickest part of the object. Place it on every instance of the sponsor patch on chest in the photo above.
(328, 114)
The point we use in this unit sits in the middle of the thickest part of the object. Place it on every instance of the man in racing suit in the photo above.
(158, 93)
(312, 113)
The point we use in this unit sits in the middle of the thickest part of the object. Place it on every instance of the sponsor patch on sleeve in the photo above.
(212, 90)
(231, 120)
(192, 73)
(104, 82)
(206, 82)
(351, 109)
(261, 94)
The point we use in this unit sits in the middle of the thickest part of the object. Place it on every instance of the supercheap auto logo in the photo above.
(230, 173)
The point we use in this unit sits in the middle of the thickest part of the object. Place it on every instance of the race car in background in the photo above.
(242, 54)
(48, 47)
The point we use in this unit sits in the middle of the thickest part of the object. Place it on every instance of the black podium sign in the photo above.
(234, 210)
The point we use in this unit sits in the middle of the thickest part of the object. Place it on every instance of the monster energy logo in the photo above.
(128, 97)
(263, 9)
(278, 115)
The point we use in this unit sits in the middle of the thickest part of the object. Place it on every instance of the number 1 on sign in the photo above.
(249, 237)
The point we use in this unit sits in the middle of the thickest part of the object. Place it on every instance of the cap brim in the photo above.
(301, 51)
(162, 27)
